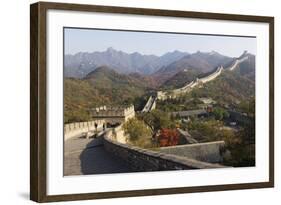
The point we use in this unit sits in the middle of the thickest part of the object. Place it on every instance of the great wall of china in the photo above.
(236, 62)
(114, 141)
(78, 129)
(109, 152)
(140, 159)
(150, 104)
(163, 95)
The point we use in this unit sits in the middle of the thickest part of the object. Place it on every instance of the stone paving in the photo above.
(88, 156)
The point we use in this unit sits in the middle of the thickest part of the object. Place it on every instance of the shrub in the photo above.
(136, 129)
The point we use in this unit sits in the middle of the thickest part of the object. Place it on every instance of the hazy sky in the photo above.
(90, 40)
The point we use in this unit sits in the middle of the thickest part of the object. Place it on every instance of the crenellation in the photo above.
(113, 115)
(78, 128)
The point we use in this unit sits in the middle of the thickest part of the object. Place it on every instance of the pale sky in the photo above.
(90, 40)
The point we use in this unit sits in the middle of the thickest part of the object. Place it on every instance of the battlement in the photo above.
(119, 111)
(113, 114)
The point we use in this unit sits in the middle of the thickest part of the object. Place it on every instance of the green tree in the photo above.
(157, 120)
(248, 106)
(136, 129)
(209, 130)
(220, 113)
(242, 149)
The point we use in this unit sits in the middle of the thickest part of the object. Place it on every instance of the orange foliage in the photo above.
(168, 137)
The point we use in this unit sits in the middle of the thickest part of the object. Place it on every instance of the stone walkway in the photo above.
(88, 156)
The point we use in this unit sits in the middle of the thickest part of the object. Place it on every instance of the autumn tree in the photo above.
(168, 137)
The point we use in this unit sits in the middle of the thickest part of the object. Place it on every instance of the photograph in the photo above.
(129, 101)
(146, 101)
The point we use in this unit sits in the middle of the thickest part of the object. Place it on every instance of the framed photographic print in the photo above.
(134, 102)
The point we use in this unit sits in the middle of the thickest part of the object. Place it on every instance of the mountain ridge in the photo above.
(80, 64)
(104, 85)
(201, 62)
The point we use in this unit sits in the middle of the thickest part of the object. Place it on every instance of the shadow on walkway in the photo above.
(96, 160)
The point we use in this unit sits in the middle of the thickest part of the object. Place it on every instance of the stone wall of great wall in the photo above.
(237, 61)
(77, 129)
(147, 160)
(162, 95)
(206, 152)
(150, 104)
(106, 111)
(211, 76)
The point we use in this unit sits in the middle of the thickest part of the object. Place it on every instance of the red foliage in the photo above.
(168, 137)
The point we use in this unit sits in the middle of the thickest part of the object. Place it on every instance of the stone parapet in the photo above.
(117, 114)
(79, 128)
(207, 152)
(147, 160)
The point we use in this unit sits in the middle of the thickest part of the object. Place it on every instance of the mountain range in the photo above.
(182, 72)
(82, 63)
(196, 63)
(157, 68)
(91, 86)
